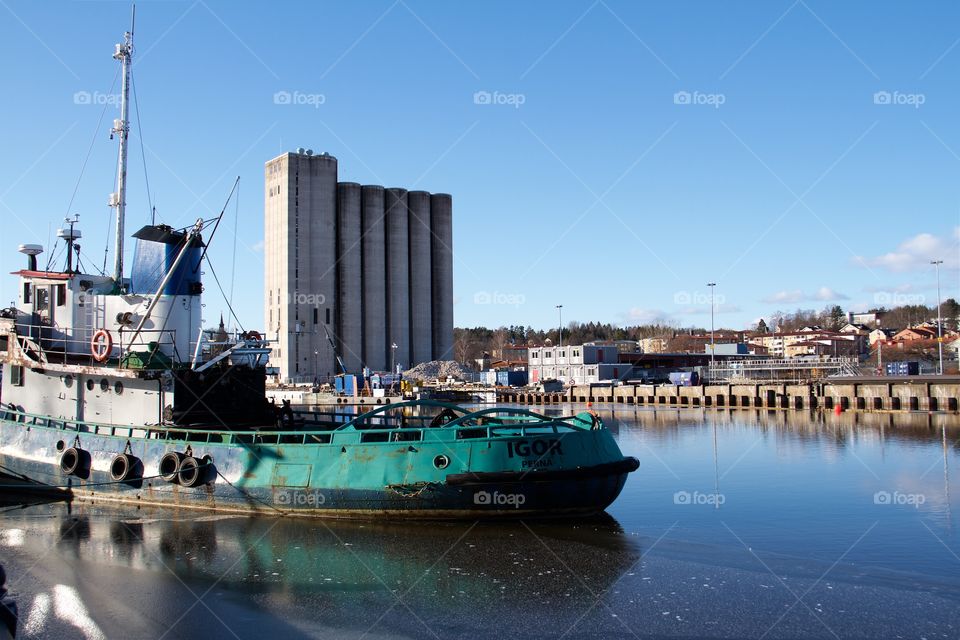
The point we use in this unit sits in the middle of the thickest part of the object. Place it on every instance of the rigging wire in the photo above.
(143, 155)
(83, 167)
(219, 286)
(236, 221)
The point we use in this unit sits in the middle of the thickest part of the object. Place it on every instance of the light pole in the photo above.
(560, 311)
(393, 358)
(936, 264)
(713, 346)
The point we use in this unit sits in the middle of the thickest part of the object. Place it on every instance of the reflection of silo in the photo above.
(316, 204)
(349, 338)
(441, 239)
(374, 281)
(421, 338)
(398, 274)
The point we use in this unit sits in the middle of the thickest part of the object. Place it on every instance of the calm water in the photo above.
(738, 524)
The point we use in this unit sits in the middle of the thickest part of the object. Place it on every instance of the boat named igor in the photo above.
(110, 387)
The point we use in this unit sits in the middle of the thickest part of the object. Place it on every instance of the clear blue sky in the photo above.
(581, 182)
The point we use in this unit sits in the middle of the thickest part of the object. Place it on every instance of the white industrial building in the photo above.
(576, 364)
(372, 268)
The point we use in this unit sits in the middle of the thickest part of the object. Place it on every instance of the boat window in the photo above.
(89, 384)
(118, 387)
(61, 295)
(43, 299)
(16, 375)
(104, 385)
(26, 293)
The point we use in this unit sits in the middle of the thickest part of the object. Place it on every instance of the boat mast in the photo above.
(121, 128)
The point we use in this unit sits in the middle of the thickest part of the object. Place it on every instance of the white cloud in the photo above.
(701, 310)
(826, 293)
(823, 294)
(916, 252)
(784, 296)
(638, 315)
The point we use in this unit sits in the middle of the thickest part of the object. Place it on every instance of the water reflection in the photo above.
(338, 566)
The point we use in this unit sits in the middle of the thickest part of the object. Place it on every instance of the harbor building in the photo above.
(355, 275)
(576, 364)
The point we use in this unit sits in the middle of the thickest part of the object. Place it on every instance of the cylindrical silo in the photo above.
(441, 256)
(421, 313)
(316, 195)
(349, 332)
(374, 280)
(398, 276)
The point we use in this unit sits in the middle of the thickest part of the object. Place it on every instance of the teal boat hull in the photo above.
(436, 473)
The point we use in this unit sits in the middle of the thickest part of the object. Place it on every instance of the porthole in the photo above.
(104, 385)
(60, 445)
(441, 461)
(118, 387)
(68, 381)
(89, 384)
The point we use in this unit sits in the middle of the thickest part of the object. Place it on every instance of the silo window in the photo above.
(328, 316)
(316, 316)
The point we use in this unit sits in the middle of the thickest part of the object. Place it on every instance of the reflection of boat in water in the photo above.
(339, 571)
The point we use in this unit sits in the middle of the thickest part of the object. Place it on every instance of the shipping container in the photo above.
(903, 368)
(512, 378)
(685, 378)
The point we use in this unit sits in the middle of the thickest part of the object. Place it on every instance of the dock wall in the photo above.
(868, 395)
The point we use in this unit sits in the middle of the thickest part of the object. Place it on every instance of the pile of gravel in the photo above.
(437, 370)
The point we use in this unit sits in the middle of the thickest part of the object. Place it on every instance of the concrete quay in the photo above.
(916, 393)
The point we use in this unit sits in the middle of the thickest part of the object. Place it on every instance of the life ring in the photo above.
(101, 345)
(253, 335)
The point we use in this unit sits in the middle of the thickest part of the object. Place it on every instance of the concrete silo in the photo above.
(375, 353)
(316, 197)
(441, 252)
(398, 275)
(349, 313)
(421, 313)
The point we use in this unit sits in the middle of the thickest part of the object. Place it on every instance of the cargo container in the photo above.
(903, 368)
(685, 378)
(511, 378)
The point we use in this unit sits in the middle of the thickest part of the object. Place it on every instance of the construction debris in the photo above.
(438, 370)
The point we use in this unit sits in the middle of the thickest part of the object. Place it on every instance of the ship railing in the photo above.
(70, 344)
(255, 437)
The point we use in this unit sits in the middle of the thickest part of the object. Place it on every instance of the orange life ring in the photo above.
(101, 345)
(253, 335)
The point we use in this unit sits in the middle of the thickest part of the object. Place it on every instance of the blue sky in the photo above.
(609, 156)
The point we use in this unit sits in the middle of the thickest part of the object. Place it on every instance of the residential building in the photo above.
(915, 333)
(880, 335)
(653, 345)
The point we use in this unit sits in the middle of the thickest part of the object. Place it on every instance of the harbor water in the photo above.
(738, 524)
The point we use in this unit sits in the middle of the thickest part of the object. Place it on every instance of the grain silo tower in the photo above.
(398, 276)
(349, 313)
(374, 279)
(441, 261)
(363, 268)
(421, 308)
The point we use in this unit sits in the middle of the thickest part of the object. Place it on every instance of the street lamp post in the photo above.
(393, 358)
(936, 264)
(560, 311)
(713, 346)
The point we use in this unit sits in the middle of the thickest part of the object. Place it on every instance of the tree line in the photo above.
(472, 343)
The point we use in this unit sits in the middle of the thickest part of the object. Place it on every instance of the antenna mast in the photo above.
(121, 128)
